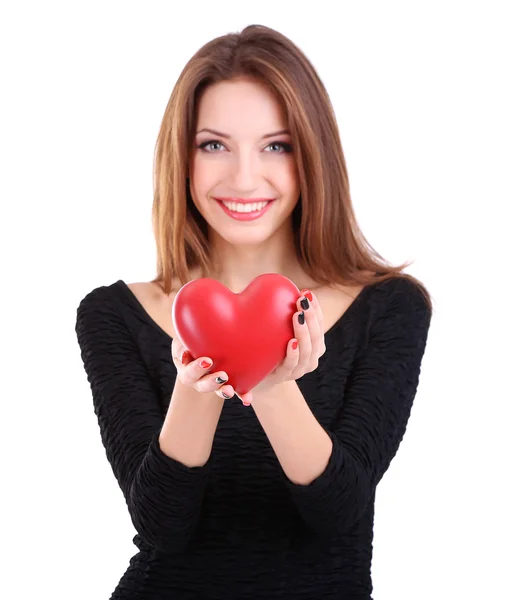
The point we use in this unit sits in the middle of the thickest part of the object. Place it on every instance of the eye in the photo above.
(283, 145)
(204, 145)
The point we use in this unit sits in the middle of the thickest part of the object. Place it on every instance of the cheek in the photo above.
(288, 181)
(288, 175)
(203, 181)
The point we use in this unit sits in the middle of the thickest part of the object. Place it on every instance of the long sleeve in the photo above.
(372, 421)
(163, 496)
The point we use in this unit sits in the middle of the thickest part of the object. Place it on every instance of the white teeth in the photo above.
(245, 208)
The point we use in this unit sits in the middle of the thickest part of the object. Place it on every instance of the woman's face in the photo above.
(243, 177)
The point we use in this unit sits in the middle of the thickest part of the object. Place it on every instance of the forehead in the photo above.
(240, 106)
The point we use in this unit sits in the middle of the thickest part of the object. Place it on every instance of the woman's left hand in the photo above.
(303, 351)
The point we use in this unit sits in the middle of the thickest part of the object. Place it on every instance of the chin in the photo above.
(245, 238)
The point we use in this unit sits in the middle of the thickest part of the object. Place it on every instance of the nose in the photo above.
(244, 173)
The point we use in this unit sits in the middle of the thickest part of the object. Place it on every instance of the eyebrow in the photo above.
(224, 135)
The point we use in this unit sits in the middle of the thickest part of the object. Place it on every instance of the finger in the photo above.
(318, 311)
(291, 360)
(186, 358)
(316, 335)
(196, 369)
(314, 303)
(226, 392)
(212, 382)
(177, 349)
(303, 336)
(316, 307)
(245, 398)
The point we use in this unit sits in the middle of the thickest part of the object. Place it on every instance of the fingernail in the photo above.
(294, 345)
(226, 396)
(301, 318)
(305, 305)
(220, 380)
(245, 403)
(308, 294)
(205, 364)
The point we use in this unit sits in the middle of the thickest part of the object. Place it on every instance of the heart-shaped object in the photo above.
(245, 334)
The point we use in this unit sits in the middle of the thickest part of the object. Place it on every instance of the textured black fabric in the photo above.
(237, 527)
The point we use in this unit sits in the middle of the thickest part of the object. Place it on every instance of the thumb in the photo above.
(245, 398)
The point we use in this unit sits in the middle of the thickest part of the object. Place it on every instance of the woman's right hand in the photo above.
(197, 373)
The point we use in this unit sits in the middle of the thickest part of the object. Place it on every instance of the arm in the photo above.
(190, 424)
(162, 493)
(301, 445)
(333, 474)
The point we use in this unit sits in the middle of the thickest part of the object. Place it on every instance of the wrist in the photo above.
(193, 401)
(274, 393)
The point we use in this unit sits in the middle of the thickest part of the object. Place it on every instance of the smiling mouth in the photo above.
(241, 211)
(239, 207)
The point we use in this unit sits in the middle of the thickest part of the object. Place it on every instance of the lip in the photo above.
(243, 200)
(251, 216)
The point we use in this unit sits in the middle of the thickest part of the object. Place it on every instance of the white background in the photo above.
(420, 90)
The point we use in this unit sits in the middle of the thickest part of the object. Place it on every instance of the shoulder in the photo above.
(103, 309)
(400, 311)
(404, 294)
(113, 294)
(105, 324)
(100, 298)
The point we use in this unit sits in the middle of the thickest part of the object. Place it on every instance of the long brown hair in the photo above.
(329, 243)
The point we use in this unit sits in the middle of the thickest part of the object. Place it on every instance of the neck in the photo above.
(236, 265)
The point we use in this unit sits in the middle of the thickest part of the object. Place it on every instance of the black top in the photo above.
(238, 527)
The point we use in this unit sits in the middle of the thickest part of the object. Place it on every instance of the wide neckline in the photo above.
(121, 284)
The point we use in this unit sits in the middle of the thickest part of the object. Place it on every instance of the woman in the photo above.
(274, 499)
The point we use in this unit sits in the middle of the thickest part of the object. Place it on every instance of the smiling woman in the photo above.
(245, 174)
(273, 499)
(249, 120)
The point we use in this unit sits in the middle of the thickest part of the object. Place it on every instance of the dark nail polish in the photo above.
(226, 396)
(220, 380)
(301, 318)
(305, 305)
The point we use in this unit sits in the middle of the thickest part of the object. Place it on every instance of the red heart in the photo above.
(245, 334)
